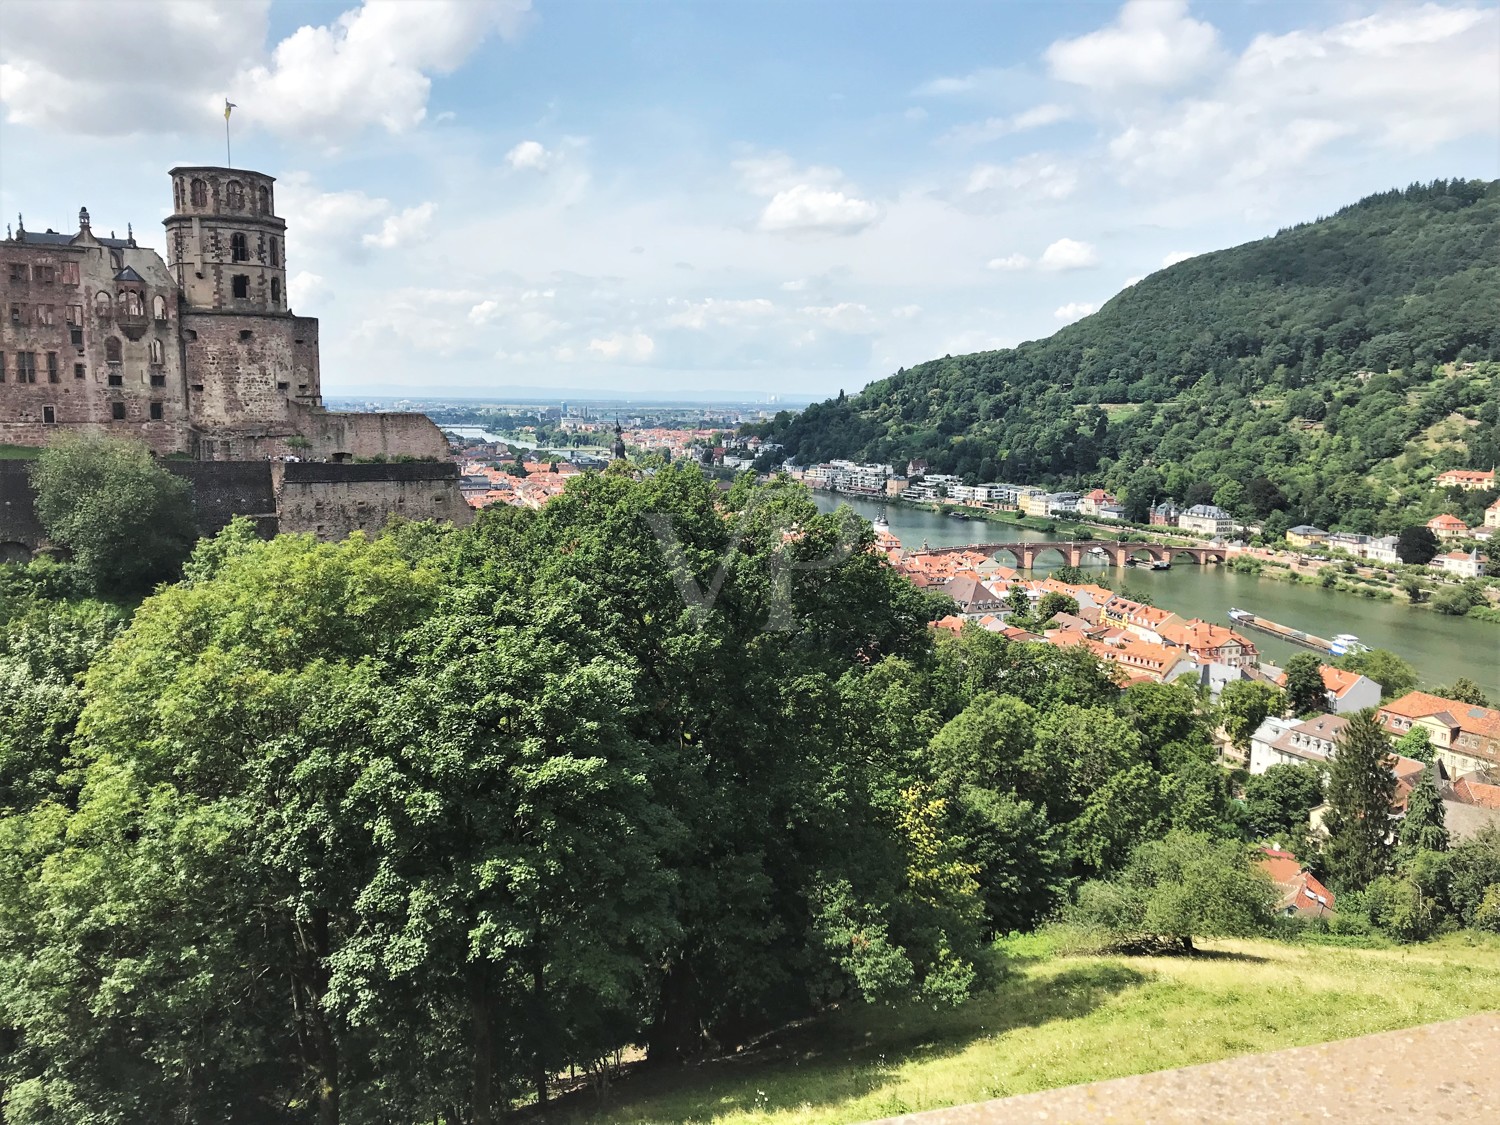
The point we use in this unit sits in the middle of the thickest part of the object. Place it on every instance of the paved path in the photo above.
(1442, 1073)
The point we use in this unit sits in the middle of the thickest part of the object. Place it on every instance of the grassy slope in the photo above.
(1061, 1021)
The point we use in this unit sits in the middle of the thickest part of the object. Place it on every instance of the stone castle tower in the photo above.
(198, 354)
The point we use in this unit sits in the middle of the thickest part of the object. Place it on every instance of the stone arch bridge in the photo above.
(1076, 552)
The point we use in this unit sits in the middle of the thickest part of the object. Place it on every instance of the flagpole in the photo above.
(228, 157)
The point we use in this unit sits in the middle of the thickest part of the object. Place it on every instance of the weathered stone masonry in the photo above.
(199, 353)
(326, 500)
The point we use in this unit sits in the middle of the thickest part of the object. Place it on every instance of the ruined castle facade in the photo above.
(197, 354)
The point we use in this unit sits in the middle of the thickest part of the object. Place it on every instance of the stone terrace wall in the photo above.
(225, 489)
(330, 500)
(18, 522)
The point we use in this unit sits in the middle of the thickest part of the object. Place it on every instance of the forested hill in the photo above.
(1309, 360)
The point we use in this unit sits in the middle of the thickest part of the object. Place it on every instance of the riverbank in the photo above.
(1414, 586)
(1441, 648)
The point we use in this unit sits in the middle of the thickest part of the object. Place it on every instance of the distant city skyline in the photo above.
(718, 202)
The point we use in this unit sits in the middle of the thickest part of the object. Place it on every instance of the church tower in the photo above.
(619, 442)
(252, 364)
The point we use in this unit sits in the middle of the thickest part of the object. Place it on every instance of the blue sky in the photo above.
(725, 198)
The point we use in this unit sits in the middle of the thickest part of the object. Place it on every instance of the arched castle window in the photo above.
(276, 292)
(102, 305)
(112, 349)
(158, 307)
(234, 194)
(199, 193)
(239, 250)
(275, 248)
(158, 352)
(241, 286)
(264, 194)
(130, 302)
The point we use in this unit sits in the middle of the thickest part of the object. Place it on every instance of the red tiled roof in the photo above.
(1300, 888)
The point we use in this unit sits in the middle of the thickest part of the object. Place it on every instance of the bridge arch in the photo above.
(1044, 552)
(1015, 554)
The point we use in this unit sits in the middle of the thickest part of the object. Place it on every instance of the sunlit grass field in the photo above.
(1056, 1021)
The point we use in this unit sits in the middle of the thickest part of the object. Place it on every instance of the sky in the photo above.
(730, 198)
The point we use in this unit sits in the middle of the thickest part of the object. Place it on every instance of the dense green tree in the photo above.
(1277, 802)
(1360, 789)
(1423, 827)
(1395, 676)
(1176, 889)
(1416, 744)
(1305, 693)
(1245, 704)
(1053, 603)
(1416, 545)
(1464, 690)
(127, 521)
(1474, 873)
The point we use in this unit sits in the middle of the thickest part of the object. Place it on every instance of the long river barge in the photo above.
(1341, 645)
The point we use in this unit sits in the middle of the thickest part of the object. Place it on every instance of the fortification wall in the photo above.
(372, 435)
(225, 489)
(327, 500)
(331, 500)
(20, 533)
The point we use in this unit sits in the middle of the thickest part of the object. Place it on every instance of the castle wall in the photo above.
(325, 500)
(331, 500)
(84, 351)
(334, 434)
(252, 379)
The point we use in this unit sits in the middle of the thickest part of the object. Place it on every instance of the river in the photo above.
(1441, 648)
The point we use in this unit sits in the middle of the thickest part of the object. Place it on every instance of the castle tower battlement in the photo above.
(225, 244)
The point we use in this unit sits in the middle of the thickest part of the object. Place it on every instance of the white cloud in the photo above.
(1009, 262)
(1068, 254)
(1400, 81)
(714, 312)
(317, 217)
(1152, 44)
(1129, 281)
(163, 66)
(110, 69)
(1038, 175)
(530, 155)
(806, 208)
(371, 66)
(907, 312)
(407, 226)
(628, 347)
(804, 200)
(1177, 256)
(305, 288)
(1074, 310)
(993, 128)
(846, 316)
(795, 286)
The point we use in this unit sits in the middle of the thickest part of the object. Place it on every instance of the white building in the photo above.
(1464, 564)
(1290, 742)
(1206, 519)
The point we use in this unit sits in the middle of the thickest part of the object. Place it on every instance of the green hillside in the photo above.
(1323, 373)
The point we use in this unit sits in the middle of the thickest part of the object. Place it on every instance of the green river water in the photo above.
(1441, 648)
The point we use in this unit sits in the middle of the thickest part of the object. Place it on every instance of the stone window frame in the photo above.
(239, 286)
(276, 292)
(117, 411)
(275, 250)
(198, 192)
(155, 411)
(26, 367)
(54, 369)
(234, 195)
(49, 415)
(159, 308)
(239, 247)
(113, 350)
(104, 305)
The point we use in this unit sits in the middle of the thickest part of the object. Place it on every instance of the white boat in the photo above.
(1345, 643)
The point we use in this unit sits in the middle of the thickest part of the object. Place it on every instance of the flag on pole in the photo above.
(228, 105)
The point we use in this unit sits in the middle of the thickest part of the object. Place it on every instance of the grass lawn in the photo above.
(1057, 1021)
(19, 452)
